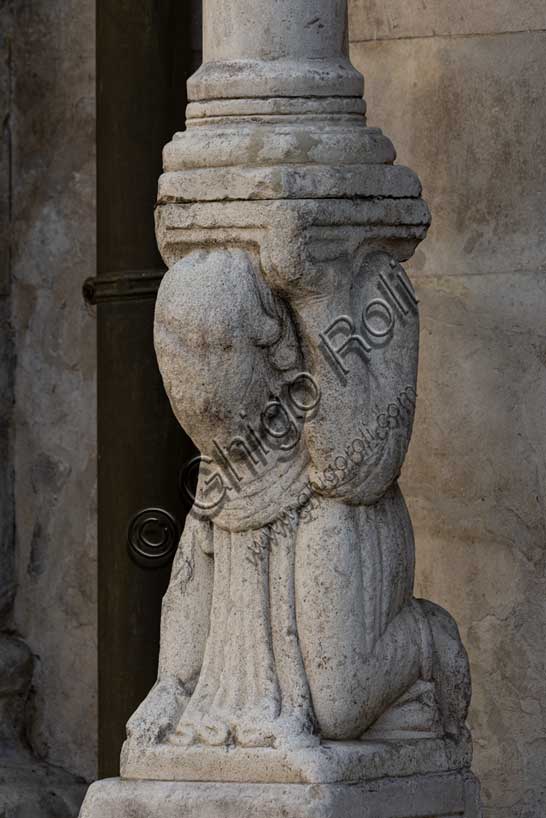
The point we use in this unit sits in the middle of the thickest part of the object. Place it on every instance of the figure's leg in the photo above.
(184, 626)
(362, 639)
(252, 689)
(200, 720)
(364, 688)
(237, 696)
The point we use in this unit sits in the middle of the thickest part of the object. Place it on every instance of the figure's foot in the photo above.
(450, 668)
(284, 732)
(197, 728)
(248, 729)
(159, 712)
(413, 715)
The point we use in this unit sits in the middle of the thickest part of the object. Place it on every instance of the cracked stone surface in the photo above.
(47, 412)
(29, 789)
(475, 475)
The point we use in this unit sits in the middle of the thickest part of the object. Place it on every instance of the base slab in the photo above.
(331, 762)
(450, 795)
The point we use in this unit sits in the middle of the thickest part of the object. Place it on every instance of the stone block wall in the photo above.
(7, 356)
(459, 87)
(48, 475)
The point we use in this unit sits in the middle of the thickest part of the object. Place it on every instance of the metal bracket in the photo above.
(123, 286)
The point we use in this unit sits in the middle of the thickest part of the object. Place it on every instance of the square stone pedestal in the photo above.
(446, 795)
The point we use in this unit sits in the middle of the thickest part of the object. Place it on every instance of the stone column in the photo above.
(298, 674)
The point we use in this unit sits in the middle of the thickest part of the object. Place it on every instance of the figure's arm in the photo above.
(367, 382)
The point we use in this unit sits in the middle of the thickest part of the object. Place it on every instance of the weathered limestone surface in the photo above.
(7, 545)
(469, 112)
(480, 98)
(299, 657)
(397, 19)
(405, 798)
(47, 689)
(28, 788)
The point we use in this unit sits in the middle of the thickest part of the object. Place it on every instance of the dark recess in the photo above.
(144, 55)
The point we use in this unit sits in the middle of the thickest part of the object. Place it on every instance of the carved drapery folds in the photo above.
(287, 331)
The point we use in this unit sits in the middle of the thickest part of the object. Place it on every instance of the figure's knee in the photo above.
(342, 719)
(346, 697)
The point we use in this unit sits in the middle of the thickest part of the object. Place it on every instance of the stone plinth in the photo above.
(452, 795)
(330, 762)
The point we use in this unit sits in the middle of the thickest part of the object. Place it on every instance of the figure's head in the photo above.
(223, 342)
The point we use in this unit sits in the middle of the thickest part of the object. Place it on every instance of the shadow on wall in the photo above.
(46, 402)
